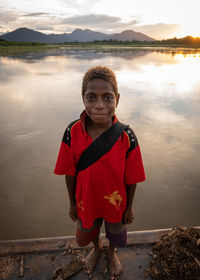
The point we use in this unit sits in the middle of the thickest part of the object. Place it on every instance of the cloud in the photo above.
(8, 20)
(159, 30)
(92, 19)
(7, 16)
(59, 23)
(12, 19)
(111, 24)
(36, 14)
(98, 21)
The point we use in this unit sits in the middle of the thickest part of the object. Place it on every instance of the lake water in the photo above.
(40, 95)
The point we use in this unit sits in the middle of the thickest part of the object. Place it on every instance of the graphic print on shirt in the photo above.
(126, 169)
(80, 205)
(114, 199)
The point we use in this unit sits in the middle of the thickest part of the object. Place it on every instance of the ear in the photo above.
(118, 97)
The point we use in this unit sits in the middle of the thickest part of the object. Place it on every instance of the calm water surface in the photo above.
(40, 95)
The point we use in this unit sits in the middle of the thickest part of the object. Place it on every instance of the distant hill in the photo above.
(130, 35)
(26, 35)
(87, 35)
(78, 35)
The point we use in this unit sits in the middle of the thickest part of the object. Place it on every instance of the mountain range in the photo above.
(78, 35)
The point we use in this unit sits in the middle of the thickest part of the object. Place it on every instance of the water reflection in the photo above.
(40, 94)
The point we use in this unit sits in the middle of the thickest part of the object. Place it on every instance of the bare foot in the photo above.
(115, 265)
(90, 261)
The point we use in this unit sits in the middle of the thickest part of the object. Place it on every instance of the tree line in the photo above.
(12, 43)
(188, 41)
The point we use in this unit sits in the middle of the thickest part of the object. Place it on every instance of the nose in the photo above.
(99, 104)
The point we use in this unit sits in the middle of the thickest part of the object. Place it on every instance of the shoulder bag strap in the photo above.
(101, 145)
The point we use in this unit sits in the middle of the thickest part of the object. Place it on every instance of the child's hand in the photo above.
(128, 216)
(73, 212)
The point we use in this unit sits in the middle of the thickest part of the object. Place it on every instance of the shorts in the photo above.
(116, 233)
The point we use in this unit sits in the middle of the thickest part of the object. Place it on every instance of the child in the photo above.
(105, 189)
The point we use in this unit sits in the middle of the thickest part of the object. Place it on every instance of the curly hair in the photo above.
(100, 72)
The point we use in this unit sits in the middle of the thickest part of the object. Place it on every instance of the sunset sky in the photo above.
(156, 18)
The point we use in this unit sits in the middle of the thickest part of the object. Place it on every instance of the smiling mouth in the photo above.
(99, 114)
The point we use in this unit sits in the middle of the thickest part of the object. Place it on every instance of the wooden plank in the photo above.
(66, 242)
(63, 243)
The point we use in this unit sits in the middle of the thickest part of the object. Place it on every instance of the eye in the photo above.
(90, 98)
(108, 97)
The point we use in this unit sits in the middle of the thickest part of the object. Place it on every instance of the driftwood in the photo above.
(21, 266)
(176, 255)
(72, 268)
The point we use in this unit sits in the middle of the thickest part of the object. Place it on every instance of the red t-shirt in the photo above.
(100, 188)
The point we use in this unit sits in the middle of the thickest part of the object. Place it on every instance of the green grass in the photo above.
(6, 50)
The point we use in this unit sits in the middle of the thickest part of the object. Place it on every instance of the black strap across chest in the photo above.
(101, 145)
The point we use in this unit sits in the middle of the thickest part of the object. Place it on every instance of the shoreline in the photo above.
(7, 50)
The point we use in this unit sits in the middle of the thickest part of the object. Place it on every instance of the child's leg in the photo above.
(91, 260)
(115, 265)
(117, 235)
(84, 237)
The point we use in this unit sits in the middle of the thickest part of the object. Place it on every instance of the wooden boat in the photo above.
(42, 258)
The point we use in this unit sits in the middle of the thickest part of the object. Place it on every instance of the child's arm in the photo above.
(71, 187)
(129, 214)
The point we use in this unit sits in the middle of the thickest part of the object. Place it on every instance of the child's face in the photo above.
(100, 101)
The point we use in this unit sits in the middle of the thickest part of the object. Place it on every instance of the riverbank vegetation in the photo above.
(16, 47)
(188, 41)
(21, 47)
